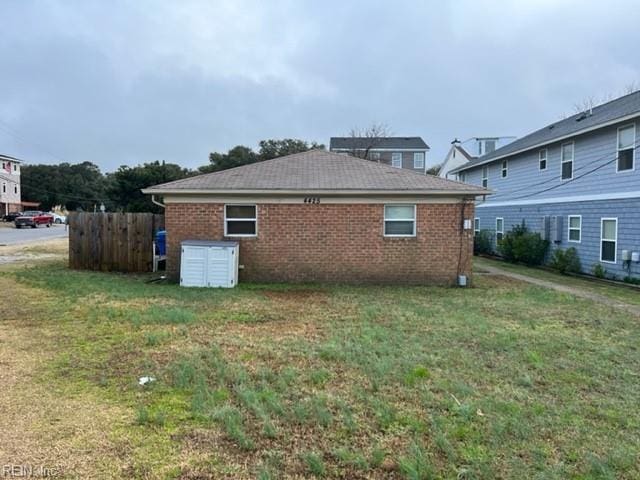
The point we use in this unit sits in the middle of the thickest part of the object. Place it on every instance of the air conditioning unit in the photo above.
(208, 263)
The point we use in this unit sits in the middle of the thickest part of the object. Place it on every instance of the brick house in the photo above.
(323, 217)
(399, 152)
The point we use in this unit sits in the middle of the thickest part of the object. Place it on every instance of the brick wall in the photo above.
(333, 243)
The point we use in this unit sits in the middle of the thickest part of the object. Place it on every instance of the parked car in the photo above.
(11, 216)
(33, 218)
(58, 219)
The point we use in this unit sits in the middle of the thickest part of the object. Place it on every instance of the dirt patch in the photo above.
(315, 296)
(53, 249)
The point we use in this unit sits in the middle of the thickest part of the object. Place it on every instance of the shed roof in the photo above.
(317, 171)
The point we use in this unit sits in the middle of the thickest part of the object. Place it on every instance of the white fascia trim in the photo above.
(311, 192)
(574, 198)
(553, 140)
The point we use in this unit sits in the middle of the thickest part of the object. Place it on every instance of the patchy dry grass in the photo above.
(503, 380)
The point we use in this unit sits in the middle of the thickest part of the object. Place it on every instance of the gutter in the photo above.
(548, 142)
(239, 192)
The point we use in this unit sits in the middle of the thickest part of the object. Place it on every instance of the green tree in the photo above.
(268, 149)
(125, 184)
(73, 186)
(279, 148)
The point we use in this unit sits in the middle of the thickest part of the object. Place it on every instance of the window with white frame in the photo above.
(566, 160)
(489, 146)
(626, 147)
(542, 159)
(396, 159)
(399, 220)
(462, 176)
(499, 229)
(15, 167)
(608, 239)
(374, 155)
(505, 168)
(485, 176)
(575, 228)
(476, 226)
(240, 220)
(418, 160)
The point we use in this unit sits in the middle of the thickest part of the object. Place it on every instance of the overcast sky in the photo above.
(125, 82)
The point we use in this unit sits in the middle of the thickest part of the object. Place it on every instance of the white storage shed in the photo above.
(206, 263)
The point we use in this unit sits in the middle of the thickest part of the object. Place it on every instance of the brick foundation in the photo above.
(341, 243)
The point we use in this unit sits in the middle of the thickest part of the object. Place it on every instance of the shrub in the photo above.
(599, 271)
(631, 280)
(521, 246)
(566, 261)
(482, 242)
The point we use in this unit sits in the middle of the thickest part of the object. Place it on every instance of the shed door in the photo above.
(219, 267)
(193, 271)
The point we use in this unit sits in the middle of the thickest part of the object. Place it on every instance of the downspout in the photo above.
(155, 202)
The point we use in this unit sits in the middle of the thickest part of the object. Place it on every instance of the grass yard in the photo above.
(502, 380)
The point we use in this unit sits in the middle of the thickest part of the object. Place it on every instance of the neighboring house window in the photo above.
(485, 177)
(399, 220)
(575, 228)
(499, 229)
(505, 168)
(396, 159)
(626, 147)
(489, 146)
(240, 220)
(418, 160)
(4, 188)
(608, 239)
(462, 176)
(542, 159)
(15, 167)
(566, 160)
(476, 226)
(15, 189)
(374, 155)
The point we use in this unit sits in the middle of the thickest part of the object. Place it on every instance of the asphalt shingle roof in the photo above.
(607, 112)
(383, 142)
(317, 170)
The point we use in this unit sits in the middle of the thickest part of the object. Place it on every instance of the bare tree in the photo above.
(631, 88)
(585, 105)
(370, 137)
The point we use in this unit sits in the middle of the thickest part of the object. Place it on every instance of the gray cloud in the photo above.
(127, 82)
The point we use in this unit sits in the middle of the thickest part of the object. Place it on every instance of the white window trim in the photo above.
(393, 160)
(546, 161)
(504, 169)
(615, 251)
(420, 164)
(501, 231)
(633, 149)
(563, 161)
(384, 223)
(476, 230)
(485, 176)
(569, 229)
(255, 219)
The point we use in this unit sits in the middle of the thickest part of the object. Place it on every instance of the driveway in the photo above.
(9, 235)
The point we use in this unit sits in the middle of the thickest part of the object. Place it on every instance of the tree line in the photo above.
(83, 186)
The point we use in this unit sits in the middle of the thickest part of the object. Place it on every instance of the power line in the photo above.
(556, 178)
(14, 133)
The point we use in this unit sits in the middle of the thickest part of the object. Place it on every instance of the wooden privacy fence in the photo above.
(121, 242)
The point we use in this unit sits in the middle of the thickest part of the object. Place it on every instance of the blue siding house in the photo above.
(576, 181)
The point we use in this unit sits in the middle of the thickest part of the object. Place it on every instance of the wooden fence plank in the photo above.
(112, 241)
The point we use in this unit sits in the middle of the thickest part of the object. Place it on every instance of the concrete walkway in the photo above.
(578, 292)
